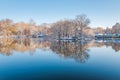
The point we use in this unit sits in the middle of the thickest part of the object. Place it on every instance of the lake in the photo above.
(26, 59)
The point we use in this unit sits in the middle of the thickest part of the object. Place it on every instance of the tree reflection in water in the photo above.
(75, 50)
(114, 44)
(78, 50)
(8, 45)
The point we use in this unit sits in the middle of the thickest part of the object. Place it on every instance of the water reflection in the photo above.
(75, 50)
(79, 51)
(7, 45)
(114, 44)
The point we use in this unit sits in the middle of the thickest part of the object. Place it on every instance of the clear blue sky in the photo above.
(101, 12)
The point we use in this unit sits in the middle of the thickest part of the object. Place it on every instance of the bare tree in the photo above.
(81, 22)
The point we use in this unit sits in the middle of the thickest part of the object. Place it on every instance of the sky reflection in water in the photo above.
(41, 59)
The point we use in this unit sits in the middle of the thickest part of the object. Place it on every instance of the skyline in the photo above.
(102, 13)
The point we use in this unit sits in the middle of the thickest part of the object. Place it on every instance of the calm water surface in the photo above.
(42, 59)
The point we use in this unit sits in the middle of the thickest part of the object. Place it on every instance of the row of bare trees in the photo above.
(8, 28)
(70, 27)
(63, 28)
(115, 29)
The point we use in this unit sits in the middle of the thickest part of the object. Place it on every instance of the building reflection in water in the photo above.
(78, 51)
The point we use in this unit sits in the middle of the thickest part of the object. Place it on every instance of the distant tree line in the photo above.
(115, 29)
(67, 28)
(8, 28)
